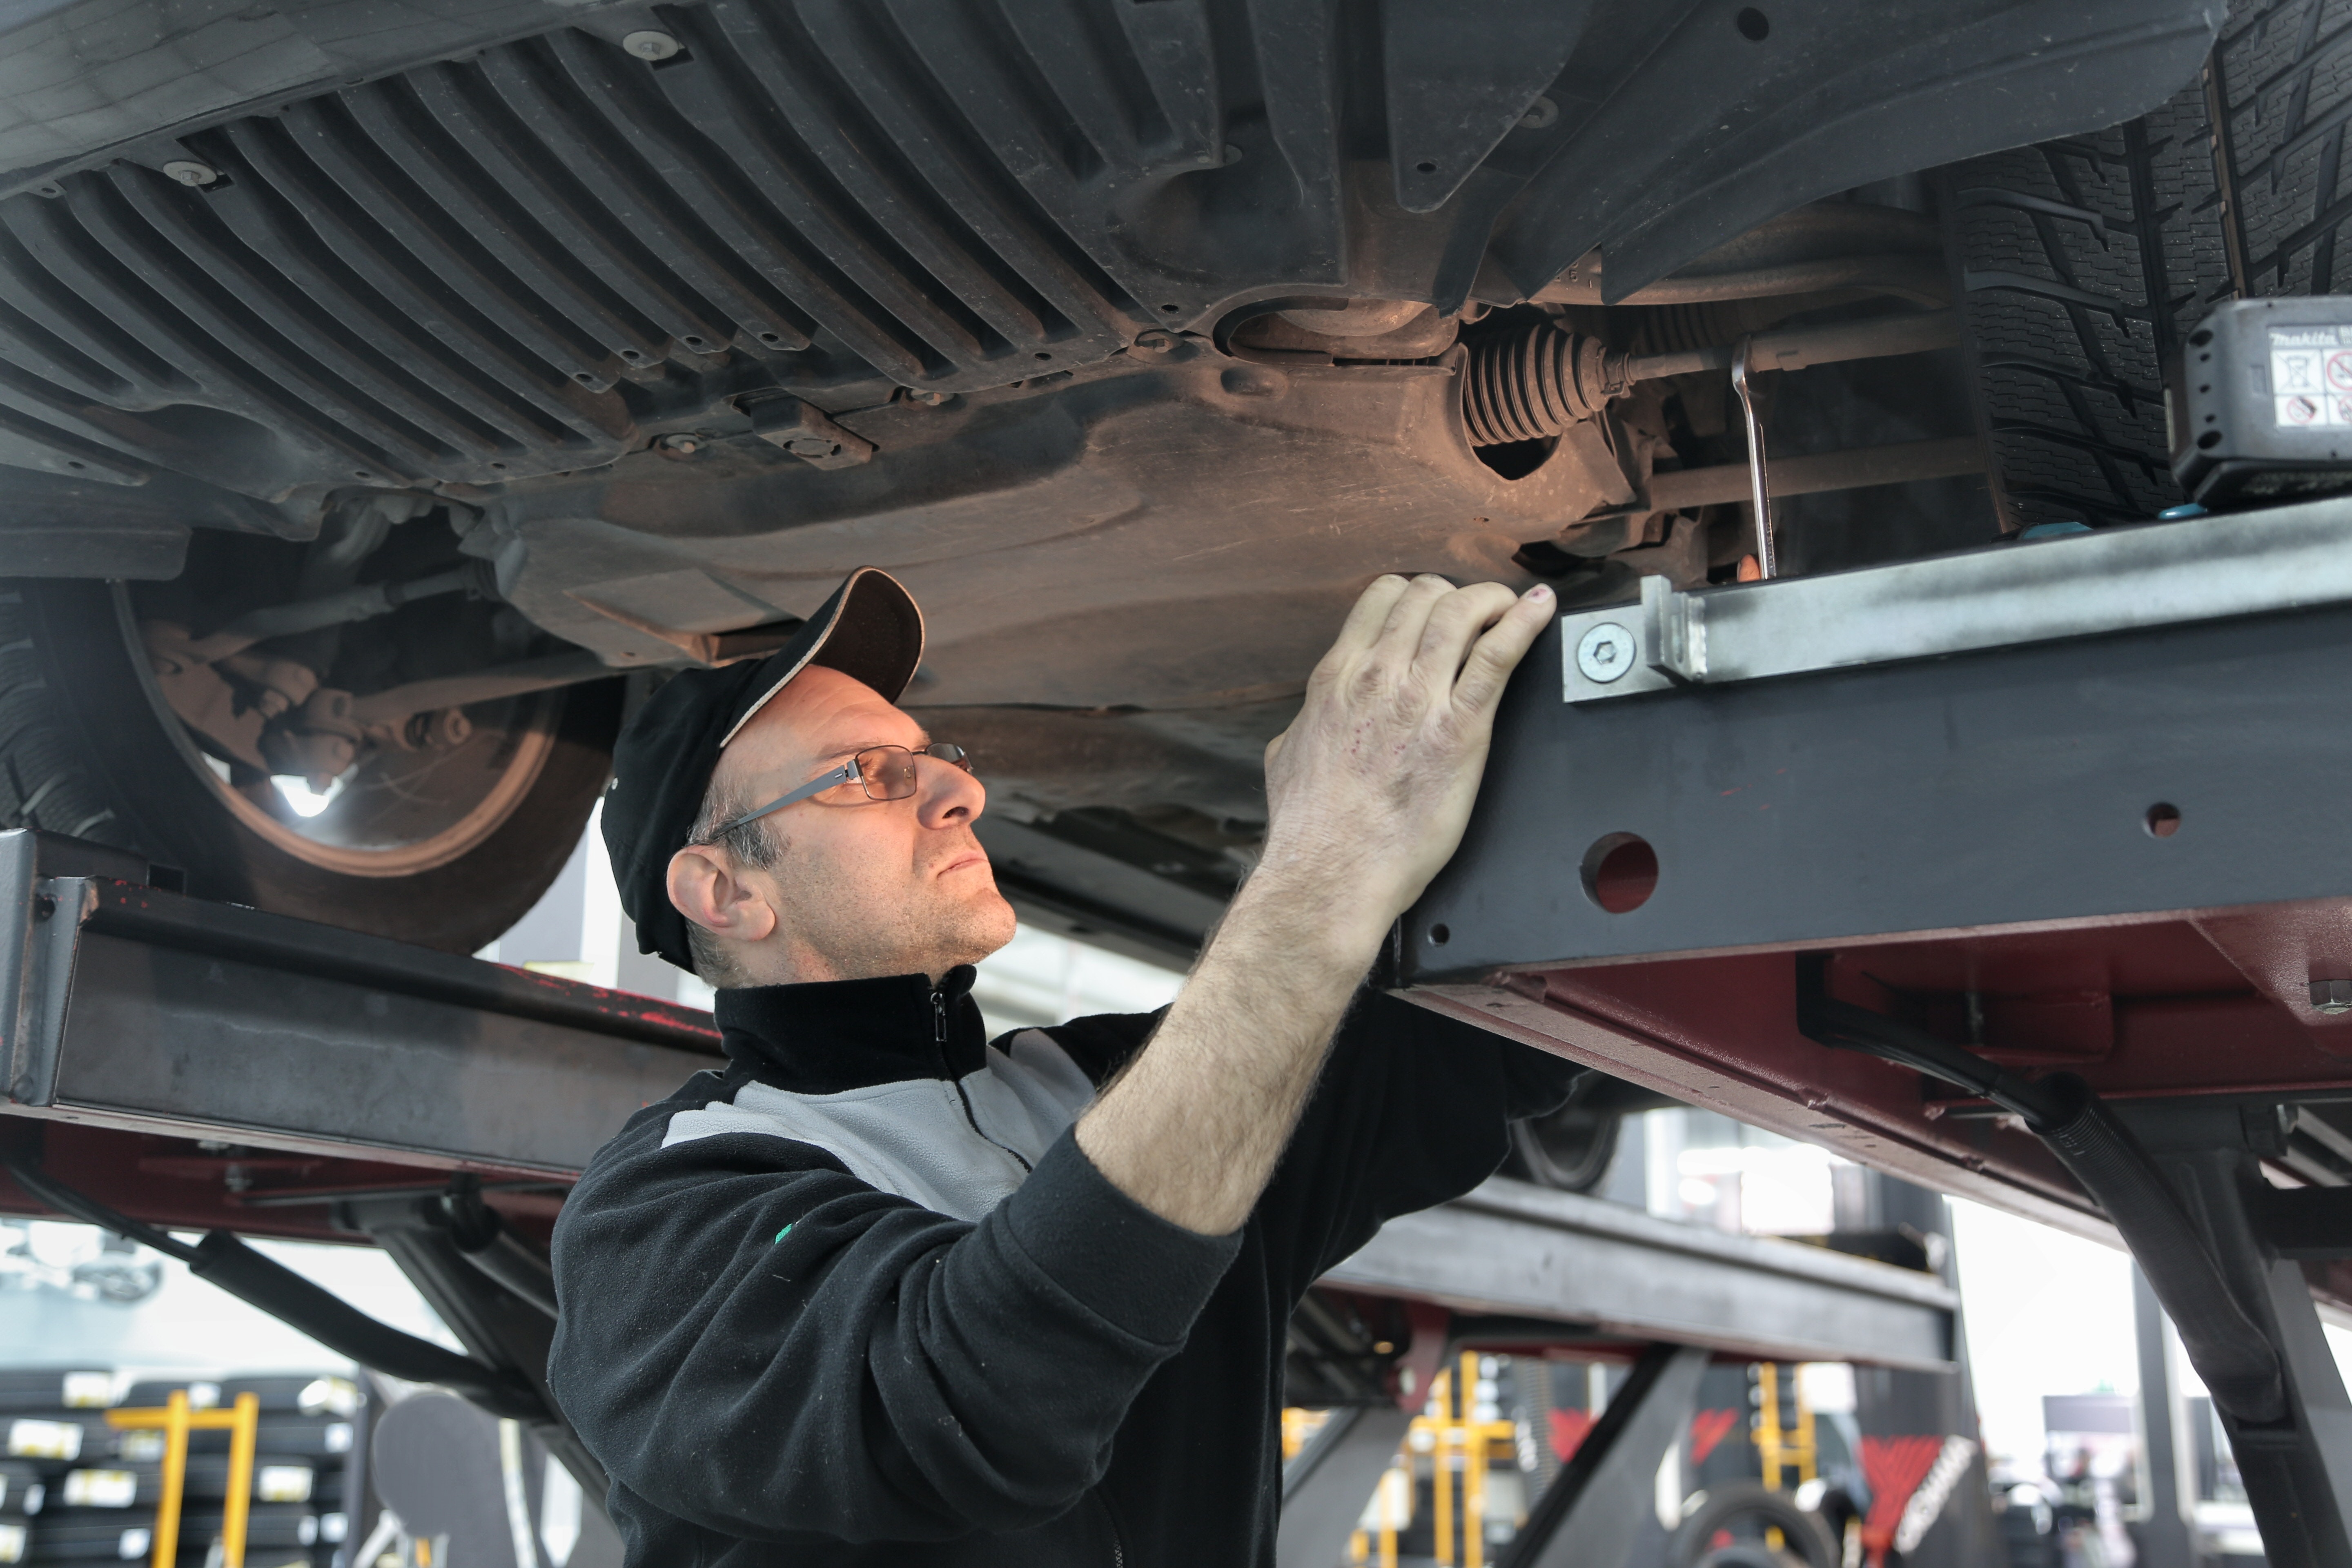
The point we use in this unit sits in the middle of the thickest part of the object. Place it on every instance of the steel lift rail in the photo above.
(209, 1066)
(2020, 873)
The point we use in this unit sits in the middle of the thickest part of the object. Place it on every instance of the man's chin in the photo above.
(983, 925)
(995, 924)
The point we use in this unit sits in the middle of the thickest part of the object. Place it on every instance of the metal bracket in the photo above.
(805, 431)
(40, 928)
(126, 1006)
(2129, 579)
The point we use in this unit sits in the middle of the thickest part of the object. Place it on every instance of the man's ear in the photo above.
(705, 887)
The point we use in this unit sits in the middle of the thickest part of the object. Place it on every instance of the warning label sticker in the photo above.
(2310, 376)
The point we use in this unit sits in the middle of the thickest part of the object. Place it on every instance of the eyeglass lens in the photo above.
(887, 772)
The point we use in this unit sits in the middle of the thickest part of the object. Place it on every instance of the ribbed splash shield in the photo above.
(483, 270)
(409, 264)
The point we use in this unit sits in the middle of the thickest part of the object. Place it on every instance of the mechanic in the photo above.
(883, 1293)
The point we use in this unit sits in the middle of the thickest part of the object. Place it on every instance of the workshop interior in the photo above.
(1924, 822)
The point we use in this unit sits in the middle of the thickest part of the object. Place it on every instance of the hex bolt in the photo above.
(1155, 342)
(2331, 996)
(923, 396)
(680, 443)
(1604, 653)
(440, 730)
(191, 174)
(650, 45)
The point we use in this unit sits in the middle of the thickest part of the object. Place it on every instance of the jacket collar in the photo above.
(829, 1036)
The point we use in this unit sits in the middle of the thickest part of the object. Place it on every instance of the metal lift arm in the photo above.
(261, 1281)
(2052, 824)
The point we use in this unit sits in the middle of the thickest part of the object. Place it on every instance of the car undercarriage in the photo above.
(406, 407)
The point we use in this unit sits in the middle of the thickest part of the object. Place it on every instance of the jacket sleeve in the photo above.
(1411, 1110)
(757, 1341)
(1102, 1043)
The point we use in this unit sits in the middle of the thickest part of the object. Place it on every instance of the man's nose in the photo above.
(945, 794)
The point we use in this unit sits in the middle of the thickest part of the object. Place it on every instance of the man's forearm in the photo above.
(1194, 1128)
(1367, 792)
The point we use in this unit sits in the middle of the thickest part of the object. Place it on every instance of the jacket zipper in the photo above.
(940, 1039)
(1117, 1541)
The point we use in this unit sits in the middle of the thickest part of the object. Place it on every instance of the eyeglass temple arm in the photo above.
(843, 775)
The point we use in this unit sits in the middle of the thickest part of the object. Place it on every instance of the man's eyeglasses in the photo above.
(884, 773)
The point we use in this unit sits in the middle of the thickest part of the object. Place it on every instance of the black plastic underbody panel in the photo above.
(426, 262)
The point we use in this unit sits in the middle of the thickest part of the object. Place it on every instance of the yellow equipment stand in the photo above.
(177, 1420)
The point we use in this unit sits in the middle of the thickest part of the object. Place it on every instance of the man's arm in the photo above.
(1369, 791)
(756, 1341)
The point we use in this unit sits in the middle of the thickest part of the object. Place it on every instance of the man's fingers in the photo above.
(1408, 618)
(1370, 613)
(1454, 625)
(1499, 650)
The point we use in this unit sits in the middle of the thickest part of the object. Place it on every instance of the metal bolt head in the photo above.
(1604, 653)
(811, 447)
(190, 173)
(923, 396)
(652, 45)
(1155, 342)
(438, 730)
(680, 443)
(2331, 996)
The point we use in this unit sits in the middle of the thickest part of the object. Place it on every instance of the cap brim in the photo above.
(871, 630)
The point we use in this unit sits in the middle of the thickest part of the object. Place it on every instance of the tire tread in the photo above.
(2083, 262)
(40, 784)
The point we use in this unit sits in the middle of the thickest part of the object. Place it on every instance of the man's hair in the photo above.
(750, 844)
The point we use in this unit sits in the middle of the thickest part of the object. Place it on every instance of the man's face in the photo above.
(861, 888)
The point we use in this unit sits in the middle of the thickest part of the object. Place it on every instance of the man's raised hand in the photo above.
(1370, 787)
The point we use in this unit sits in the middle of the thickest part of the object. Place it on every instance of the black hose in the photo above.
(261, 1281)
(2239, 1364)
(90, 1211)
(509, 1263)
(484, 1240)
(2237, 1361)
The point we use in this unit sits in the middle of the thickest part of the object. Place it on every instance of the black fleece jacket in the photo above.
(861, 1299)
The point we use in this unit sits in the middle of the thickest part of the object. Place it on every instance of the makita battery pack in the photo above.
(2260, 407)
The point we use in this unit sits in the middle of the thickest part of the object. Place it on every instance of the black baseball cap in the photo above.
(870, 631)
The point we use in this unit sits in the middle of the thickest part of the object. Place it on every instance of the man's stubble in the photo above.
(928, 929)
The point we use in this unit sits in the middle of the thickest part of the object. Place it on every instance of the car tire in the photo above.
(87, 749)
(1568, 1149)
(1805, 1540)
(2082, 263)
